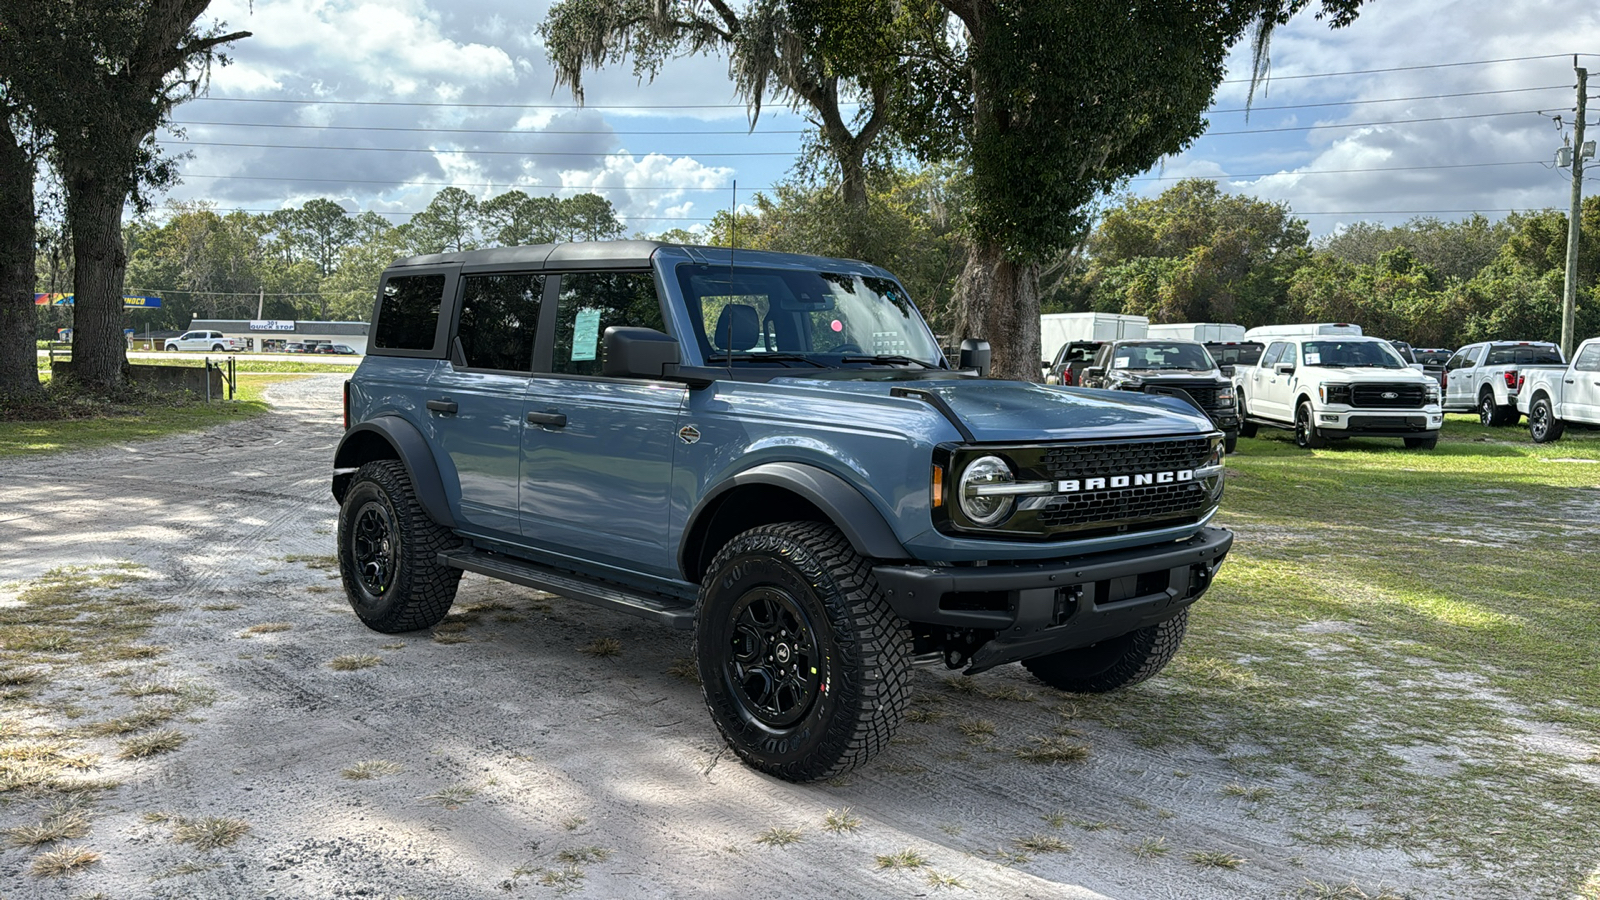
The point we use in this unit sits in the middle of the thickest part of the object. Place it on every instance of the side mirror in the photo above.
(974, 355)
(1093, 372)
(1227, 371)
(637, 353)
(1284, 368)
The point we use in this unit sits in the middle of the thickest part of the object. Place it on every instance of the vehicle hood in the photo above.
(1361, 376)
(1016, 411)
(1173, 374)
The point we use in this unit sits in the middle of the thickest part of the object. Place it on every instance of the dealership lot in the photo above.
(1392, 687)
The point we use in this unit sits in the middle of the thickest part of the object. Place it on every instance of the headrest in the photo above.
(738, 328)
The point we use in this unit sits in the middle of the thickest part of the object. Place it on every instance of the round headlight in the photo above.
(981, 507)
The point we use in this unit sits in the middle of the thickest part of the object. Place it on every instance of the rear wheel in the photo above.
(1115, 663)
(388, 552)
(1542, 422)
(1492, 414)
(1306, 435)
(804, 666)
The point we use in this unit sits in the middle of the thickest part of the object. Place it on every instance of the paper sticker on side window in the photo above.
(586, 335)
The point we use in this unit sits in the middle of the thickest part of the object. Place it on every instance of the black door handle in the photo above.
(552, 419)
(448, 407)
(1569, 381)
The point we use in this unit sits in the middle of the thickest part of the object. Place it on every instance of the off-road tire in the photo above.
(1543, 425)
(1306, 435)
(1115, 663)
(1247, 428)
(388, 552)
(1422, 443)
(799, 590)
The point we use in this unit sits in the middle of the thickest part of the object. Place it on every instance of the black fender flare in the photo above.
(849, 511)
(409, 447)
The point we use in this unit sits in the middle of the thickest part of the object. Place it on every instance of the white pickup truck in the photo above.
(1551, 398)
(204, 340)
(1484, 377)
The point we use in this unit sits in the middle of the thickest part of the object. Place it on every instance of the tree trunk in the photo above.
(997, 300)
(100, 262)
(19, 366)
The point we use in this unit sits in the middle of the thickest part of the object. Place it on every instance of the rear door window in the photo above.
(1588, 359)
(499, 322)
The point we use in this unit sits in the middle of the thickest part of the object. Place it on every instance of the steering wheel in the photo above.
(844, 348)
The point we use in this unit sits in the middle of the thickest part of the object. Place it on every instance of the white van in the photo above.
(1305, 330)
(1204, 332)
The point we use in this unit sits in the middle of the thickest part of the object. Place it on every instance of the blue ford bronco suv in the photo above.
(769, 450)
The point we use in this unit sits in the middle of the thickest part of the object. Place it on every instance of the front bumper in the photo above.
(1036, 609)
(1385, 423)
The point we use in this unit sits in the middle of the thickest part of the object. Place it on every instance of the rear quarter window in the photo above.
(407, 315)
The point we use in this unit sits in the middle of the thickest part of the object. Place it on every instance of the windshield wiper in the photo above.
(885, 358)
(763, 357)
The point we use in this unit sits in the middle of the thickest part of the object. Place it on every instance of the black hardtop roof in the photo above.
(621, 255)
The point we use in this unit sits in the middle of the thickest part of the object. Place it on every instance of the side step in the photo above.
(601, 593)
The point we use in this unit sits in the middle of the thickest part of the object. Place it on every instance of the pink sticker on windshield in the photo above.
(836, 325)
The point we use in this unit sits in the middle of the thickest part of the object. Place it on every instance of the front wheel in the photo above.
(1306, 435)
(1247, 428)
(1115, 663)
(1542, 422)
(388, 552)
(1422, 443)
(172, 347)
(804, 666)
(1230, 443)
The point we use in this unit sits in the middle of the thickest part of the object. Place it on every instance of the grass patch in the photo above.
(210, 833)
(976, 729)
(1216, 859)
(841, 821)
(573, 823)
(351, 662)
(580, 855)
(940, 881)
(1053, 750)
(603, 648)
(61, 822)
(1152, 848)
(76, 423)
(904, 859)
(452, 797)
(685, 667)
(153, 744)
(138, 720)
(267, 628)
(63, 861)
(1042, 843)
(779, 836)
(368, 769)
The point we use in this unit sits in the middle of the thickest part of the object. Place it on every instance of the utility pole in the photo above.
(1569, 293)
(261, 300)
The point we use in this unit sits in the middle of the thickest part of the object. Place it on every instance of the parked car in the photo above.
(777, 457)
(1554, 398)
(204, 340)
(1070, 362)
(341, 349)
(295, 347)
(1173, 367)
(1485, 377)
(1332, 387)
(1235, 354)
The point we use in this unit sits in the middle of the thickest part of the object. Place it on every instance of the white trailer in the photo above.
(1308, 329)
(1204, 332)
(1059, 329)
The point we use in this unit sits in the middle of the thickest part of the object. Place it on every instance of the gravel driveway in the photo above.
(517, 751)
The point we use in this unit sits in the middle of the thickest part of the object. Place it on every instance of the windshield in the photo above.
(1161, 355)
(786, 316)
(1352, 354)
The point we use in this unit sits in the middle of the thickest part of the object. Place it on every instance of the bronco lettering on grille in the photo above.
(1077, 485)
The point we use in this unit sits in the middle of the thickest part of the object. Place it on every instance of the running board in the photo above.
(600, 593)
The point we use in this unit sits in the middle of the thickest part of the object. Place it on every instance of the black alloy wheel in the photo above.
(1488, 412)
(772, 661)
(373, 544)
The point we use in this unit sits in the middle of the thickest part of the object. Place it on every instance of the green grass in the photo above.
(1390, 636)
(153, 421)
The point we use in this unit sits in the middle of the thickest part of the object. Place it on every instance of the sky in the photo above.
(379, 104)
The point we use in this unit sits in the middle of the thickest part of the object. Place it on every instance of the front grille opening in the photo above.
(1128, 587)
(1155, 502)
(986, 601)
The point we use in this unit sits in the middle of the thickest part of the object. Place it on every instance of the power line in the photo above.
(382, 212)
(778, 109)
(1243, 109)
(1401, 212)
(557, 187)
(1526, 162)
(464, 152)
(531, 132)
(1519, 112)
(1475, 62)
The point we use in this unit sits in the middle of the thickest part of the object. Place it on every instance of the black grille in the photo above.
(1406, 396)
(1131, 458)
(1164, 501)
